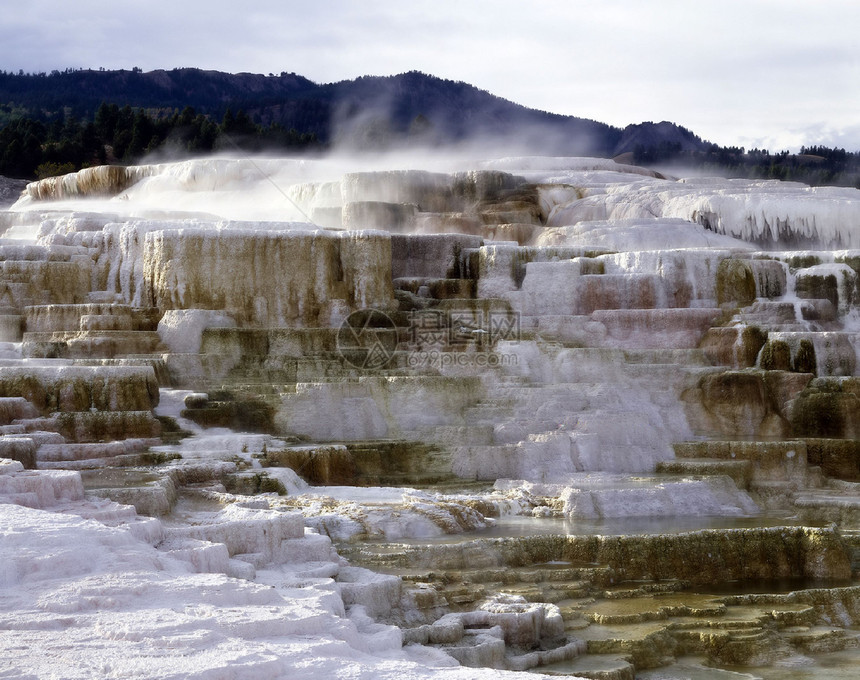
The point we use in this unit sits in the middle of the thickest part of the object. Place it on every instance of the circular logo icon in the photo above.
(367, 338)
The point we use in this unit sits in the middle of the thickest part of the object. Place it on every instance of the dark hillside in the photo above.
(366, 112)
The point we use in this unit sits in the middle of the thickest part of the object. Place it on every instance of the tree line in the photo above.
(31, 148)
(814, 165)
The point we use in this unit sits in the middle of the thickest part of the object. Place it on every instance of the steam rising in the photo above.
(514, 199)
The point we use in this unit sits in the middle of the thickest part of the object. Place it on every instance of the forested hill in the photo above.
(366, 112)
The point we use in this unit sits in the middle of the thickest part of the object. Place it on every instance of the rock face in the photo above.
(103, 180)
(276, 279)
(562, 343)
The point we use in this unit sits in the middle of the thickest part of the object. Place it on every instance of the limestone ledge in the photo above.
(82, 388)
(698, 557)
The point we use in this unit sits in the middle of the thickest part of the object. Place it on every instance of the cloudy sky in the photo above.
(766, 73)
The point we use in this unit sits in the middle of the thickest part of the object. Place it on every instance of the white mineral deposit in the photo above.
(277, 418)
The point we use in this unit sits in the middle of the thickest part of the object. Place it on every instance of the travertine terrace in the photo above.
(277, 418)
